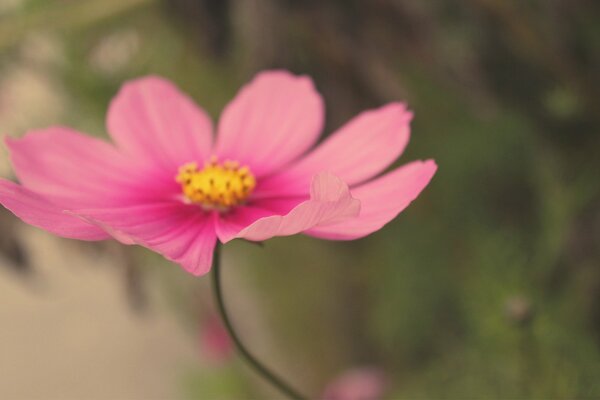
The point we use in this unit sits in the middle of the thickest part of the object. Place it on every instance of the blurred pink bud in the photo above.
(215, 343)
(367, 383)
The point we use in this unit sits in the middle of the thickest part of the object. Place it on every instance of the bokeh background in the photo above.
(488, 286)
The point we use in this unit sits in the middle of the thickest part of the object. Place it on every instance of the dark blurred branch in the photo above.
(207, 20)
(527, 39)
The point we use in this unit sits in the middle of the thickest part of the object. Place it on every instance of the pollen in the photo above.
(217, 186)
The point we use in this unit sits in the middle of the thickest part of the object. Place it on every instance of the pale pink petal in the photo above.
(381, 201)
(231, 223)
(76, 170)
(182, 233)
(42, 213)
(330, 201)
(359, 150)
(151, 119)
(272, 120)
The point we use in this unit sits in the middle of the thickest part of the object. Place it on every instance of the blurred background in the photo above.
(488, 286)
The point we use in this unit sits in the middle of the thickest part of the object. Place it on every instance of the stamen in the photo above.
(216, 186)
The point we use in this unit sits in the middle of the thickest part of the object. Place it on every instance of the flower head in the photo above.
(167, 184)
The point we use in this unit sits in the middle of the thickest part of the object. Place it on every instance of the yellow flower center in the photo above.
(216, 186)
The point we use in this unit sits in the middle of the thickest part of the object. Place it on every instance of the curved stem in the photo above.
(254, 363)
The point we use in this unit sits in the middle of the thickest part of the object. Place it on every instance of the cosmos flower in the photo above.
(167, 184)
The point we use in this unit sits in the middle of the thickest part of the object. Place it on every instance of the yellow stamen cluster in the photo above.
(216, 186)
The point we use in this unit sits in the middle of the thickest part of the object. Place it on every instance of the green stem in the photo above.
(254, 363)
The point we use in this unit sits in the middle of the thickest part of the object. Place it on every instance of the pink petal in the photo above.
(231, 223)
(272, 120)
(330, 201)
(151, 119)
(381, 201)
(76, 170)
(359, 150)
(181, 233)
(42, 213)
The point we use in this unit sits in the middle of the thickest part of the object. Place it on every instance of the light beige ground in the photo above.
(70, 335)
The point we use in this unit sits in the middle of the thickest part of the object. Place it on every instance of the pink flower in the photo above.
(367, 383)
(169, 185)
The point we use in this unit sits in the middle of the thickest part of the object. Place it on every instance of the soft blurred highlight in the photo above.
(488, 286)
